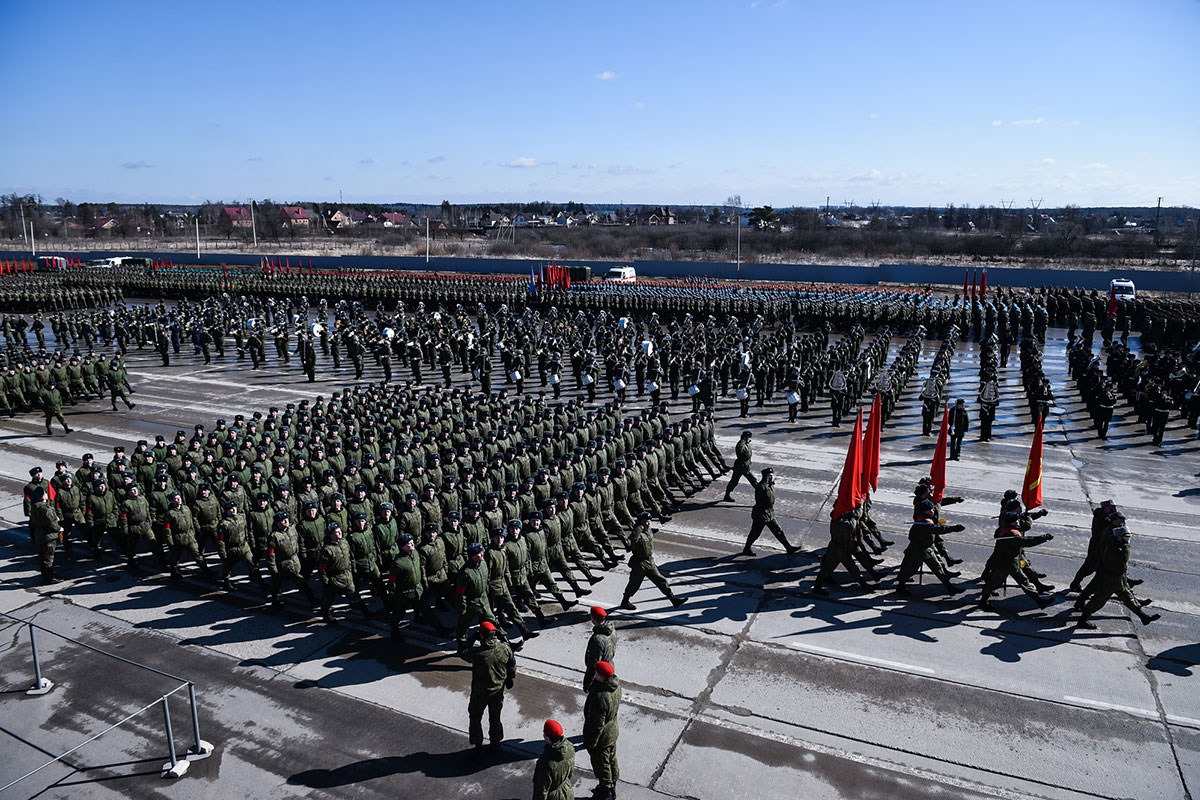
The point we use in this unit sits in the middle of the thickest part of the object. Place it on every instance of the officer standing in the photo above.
(45, 528)
(493, 669)
(554, 771)
(600, 729)
(601, 646)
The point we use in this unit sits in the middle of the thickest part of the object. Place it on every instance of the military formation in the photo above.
(472, 507)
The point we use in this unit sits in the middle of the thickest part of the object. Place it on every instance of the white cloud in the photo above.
(627, 169)
(869, 175)
(1022, 122)
(607, 75)
(1050, 161)
(583, 165)
(523, 161)
(996, 123)
(1095, 165)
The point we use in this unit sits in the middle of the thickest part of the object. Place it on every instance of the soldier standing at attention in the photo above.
(600, 729)
(602, 645)
(763, 515)
(959, 423)
(493, 669)
(741, 464)
(555, 769)
(43, 524)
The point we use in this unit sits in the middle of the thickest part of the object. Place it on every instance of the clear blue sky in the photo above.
(785, 102)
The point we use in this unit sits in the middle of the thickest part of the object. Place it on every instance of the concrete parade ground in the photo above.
(753, 688)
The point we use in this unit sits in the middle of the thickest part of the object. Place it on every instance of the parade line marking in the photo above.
(880, 662)
(1139, 712)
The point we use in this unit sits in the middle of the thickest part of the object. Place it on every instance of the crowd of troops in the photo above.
(490, 506)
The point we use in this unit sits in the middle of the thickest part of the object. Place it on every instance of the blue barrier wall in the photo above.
(1154, 280)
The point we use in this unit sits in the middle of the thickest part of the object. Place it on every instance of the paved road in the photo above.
(753, 688)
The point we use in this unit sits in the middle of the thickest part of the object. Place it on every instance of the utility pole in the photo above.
(197, 238)
(738, 223)
(1157, 214)
(426, 238)
(32, 240)
(24, 238)
(253, 228)
(1195, 239)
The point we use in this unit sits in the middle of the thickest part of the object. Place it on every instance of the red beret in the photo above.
(597, 611)
(552, 729)
(486, 626)
(604, 668)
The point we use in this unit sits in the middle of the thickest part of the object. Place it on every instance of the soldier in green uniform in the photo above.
(642, 565)
(406, 588)
(922, 548)
(743, 453)
(499, 597)
(100, 514)
(843, 533)
(763, 515)
(51, 402)
(1008, 559)
(364, 557)
(534, 538)
(136, 524)
(601, 646)
(233, 546)
(493, 670)
(516, 554)
(1111, 579)
(471, 595)
(555, 768)
(180, 527)
(69, 503)
(600, 729)
(335, 568)
(45, 528)
(283, 559)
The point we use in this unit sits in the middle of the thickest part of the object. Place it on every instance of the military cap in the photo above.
(474, 505)
(359, 515)
(410, 496)
(35, 471)
(643, 516)
(534, 515)
(406, 538)
(768, 471)
(474, 548)
(331, 527)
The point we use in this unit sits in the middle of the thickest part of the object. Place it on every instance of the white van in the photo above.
(1123, 289)
(621, 275)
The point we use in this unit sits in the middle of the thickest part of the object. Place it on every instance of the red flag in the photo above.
(972, 284)
(938, 470)
(871, 438)
(848, 490)
(983, 284)
(966, 279)
(310, 266)
(1112, 301)
(1031, 490)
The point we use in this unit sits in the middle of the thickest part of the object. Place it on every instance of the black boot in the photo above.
(564, 602)
(627, 604)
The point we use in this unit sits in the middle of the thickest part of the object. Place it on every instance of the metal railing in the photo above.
(177, 766)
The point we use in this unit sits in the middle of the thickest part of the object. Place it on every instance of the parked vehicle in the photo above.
(1123, 289)
(621, 275)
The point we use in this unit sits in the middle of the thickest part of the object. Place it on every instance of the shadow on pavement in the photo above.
(432, 765)
(1176, 660)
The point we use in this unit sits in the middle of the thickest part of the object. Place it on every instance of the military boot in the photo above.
(564, 602)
